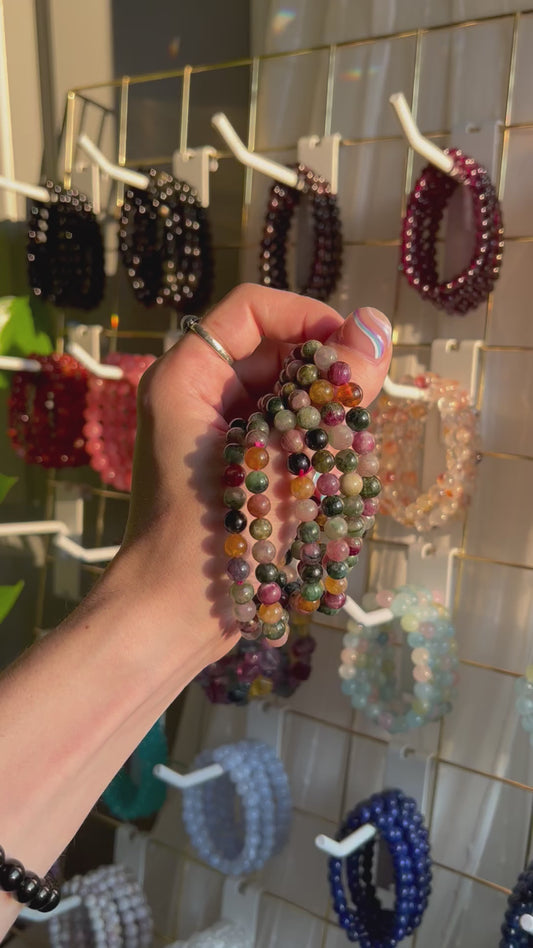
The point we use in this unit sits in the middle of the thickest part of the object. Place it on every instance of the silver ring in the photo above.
(193, 324)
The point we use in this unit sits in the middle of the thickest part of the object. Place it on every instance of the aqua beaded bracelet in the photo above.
(139, 794)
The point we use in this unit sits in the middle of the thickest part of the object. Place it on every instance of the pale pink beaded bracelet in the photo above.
(399, 428)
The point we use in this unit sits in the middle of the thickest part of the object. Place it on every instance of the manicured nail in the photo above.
(374, 332)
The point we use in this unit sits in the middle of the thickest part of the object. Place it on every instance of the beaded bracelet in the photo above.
(399, 427)
(425, 208)
(220, 935)
(111, 419)
(239, 840)
(65, 252)
(520, 902)
(130, 797)
(45, 412)
(165, 244)
(368, 669)
(325, 266)
(308, 410)
(43, 895)
(401, 826)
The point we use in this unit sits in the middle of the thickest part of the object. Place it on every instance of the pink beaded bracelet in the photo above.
(399, 430)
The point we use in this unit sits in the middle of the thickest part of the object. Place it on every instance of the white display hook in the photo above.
(17, 364)
(27, 190)
(97, 368)
(397, 390)
(272, 169)
(182, 781)
(97, 554)
(421, 145)
(134, 178)
(67, 905)
(348, 845)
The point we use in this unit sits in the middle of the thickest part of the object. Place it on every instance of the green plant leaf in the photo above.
(6, 483)
(8, 598)
(19, 332)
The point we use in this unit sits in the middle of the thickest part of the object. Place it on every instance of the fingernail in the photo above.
(373, 332)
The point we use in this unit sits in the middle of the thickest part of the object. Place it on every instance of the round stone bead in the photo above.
(256, 458)
(332, 414)
(260, 529)
(336, 528)
(256, 438)
(292, 441)
(321, 392)
(296, 546)
(346, 460)
(292, 368)
(371, 487)
(309, 532)
(256, 482)
(258, 505)
(266, 573)
(323, 461)
(256, 418)
(332, 506)
(234, 436)
(349, 395)
(351, 484)
(368, 465)
(234, 475)
(308, 417)
(264, 551)
(235, 521)
(310, 573)
(241, 592)
(338, 550)
(270, 613)
(269, 593)
(311, 554)
(328, 484)
(337, 569)
(325, 357)
(334, 601)
(285, 420)
(297, 463)
(356, 526)
(274, 630)
(234, 497)
(340, 437)
(288, 389)
(316, 438)
(363, 442)
(339, 373)
(274, 404)
(310, 347)
(302, 488)
(305, 510)
(358, 419)
(335, 586)
(245, 611)
(306, 375)
(354, 506)
(235, 545)
(311, 591)
(239, 423)
(234, 453)
(299, 399)
(238, 569)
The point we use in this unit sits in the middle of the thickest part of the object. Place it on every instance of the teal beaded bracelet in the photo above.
(368, 668)
(130, 797)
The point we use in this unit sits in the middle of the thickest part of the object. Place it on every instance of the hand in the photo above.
(175, 533)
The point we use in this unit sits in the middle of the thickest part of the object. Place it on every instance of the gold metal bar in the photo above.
(483, 773)
(508, 105)
(487, 559)
(330, 88)
(506, 456)
(495, 668)
(467, 875)
(185, 108)
(122, 135)
(69, 139)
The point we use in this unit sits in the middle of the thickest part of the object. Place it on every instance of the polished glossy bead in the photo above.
(239, 423)
(11, 874)
(363, 442)
(302, 488)
(325, 357)
(274, 404)
(368, 465)
(310, 573)
(305, 510)
(332, 506)
(234, 475)
(285, 420)
(334, 601)
(299, 399)
(238, 569)
(332, 414)
(328, 484)
(275, 630)
(351, 484)
(235, 545)
(346, 461)
(339, 373)
(256, 458)
(264, 551)
(337, 570)
(260, 529)
(270, 613)
(43, 896)
(371, 487)
(336, 528)
(309, 532)
(321, 392)
(306, 375)
(245, 611)
(311, 591)
(256, 482)
(268, 593)
(292, 441)
(340, 437)
(349, 395)
(235, 521)
(234, 497)
(316, 438)
(358, 419)
(308, 417)
(310, 347)
(234, 453)
(266, 572)
(323, 461)
(337, 550)
(28, 887)
(297, 463)
(335, 586)
(241, 592)
(311, 553)
(258, 505)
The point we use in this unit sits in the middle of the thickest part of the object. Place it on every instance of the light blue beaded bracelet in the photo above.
(239, 840)
(524, 701)
(369, 656)
(130, 797)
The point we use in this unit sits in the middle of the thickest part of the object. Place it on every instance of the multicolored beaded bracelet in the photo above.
(45, 412)
(325, 266)
(524, 701)
(399, 427)
(519, 903)
(308, 409)
(139, 794)
(111, 419)
(425, 209)
(368, 660)
(401, 826)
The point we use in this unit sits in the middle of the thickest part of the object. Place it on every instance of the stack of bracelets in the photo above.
(325, 266)
(45, 412)
(520, 902)
(239, 840)
(165, 244)
(314, 406)
(219, 935)
(425, 209)
(253, 669)
(368, 668)
(39, 894)
(398, 426)
(524, 701)
(111, 419)
(65, 252)
(113, 912)
(131, 796)
(401, 826)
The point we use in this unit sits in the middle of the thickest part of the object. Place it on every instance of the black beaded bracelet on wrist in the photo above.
(43, 895)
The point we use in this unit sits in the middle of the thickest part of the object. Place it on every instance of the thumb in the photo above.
(365, 342)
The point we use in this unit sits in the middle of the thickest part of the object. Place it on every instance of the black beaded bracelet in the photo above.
(43, 895)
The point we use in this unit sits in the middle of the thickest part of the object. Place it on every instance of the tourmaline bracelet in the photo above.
(136, 794)
(399, 426)
(401, 826)
(420, 227)
(368, 666)
(314, 407)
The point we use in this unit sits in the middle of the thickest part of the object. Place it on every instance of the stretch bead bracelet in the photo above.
(65, 251)
(130, 797)
(219, 935)
(399, 427)
(238, 841)
(520, 902)
(45, 412)
(420, 227)
(325, 266)
(111, 419)
(368, 669)
(40, 894)
(401, 826)
(308, 410)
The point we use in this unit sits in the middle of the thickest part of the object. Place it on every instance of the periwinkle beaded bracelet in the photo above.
(314, 405)
(520, 902)
(238, 841)
(220, 935)
(139, 794)
(368, 669)
(401, 826)
(40, 894)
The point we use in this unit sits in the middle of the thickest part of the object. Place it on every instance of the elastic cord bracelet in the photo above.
(400, 825)
(219, 935)
(131, 796)
(520, 902)
(40, 894)
(368, 669)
